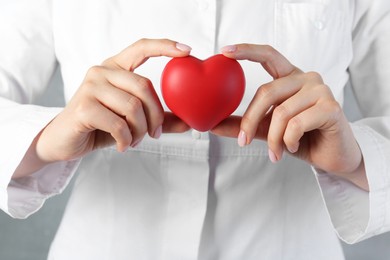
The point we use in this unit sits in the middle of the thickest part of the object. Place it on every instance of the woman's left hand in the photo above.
(297, 113)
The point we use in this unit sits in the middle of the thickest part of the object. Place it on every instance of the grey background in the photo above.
(30, 239)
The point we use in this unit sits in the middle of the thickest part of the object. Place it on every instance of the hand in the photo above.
(296, 112)
(112, 105)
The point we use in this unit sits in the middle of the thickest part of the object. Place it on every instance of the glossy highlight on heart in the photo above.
(203, 93)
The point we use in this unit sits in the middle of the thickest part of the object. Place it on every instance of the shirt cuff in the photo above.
(19, 126)
(27, 195)
(356, 214)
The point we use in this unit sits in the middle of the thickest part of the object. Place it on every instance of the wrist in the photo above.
(358, 176)
(31, 161)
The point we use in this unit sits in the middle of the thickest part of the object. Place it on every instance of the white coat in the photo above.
(194, 195)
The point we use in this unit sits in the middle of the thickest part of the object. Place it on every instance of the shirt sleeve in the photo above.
(356, 214)
(27, 62)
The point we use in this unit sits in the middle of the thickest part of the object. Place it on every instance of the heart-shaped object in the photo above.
(202, 93)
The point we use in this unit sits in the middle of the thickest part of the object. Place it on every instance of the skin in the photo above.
(113, 105)
(295, 113)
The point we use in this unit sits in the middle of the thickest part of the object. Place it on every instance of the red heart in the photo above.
(203, 93)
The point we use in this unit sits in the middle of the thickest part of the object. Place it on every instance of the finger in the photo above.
(143, 89)
(125, 105)
(316, 117)
(173, 124)
(271, 60)
(230, 127)
(99, 117)
(267, 96)
(282, 115)
(137, 53)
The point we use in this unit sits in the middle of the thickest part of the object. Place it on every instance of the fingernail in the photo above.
(229, 48)
(121, 149)
(136, 144)
(241, 139)
(157, 132)
(294, 148)
(272, 156)
(183, 47)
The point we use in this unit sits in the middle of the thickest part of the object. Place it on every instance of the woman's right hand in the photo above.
(113, 105)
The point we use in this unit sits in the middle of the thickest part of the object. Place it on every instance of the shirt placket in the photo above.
(207, 13)
(188, 177)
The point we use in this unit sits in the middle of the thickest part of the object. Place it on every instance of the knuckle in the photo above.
(327, 90)
(119, 127)
(321, 91)
(92, 76)
(95, 70)
(295, 125)
(89, 83)
(144, 84)
(165, 41)
(143, 40)
(281, 113)
(334, 108)
(133, 105)
(264, 92)
(294, 130)
(107, 62)
(141, 43)
(313, 76)
(269, 52)
(110, 62)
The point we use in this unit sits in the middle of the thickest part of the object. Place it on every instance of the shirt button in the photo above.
(203, 6)
(319, 25)
(196, 134)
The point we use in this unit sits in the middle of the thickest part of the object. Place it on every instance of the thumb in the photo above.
(272, 61)
(173, 124)
(231, 126)
(140, 51)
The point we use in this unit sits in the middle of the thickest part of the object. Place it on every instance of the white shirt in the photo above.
(193, 195)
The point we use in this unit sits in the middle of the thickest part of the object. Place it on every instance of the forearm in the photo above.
(357, 177)
(30, 163)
